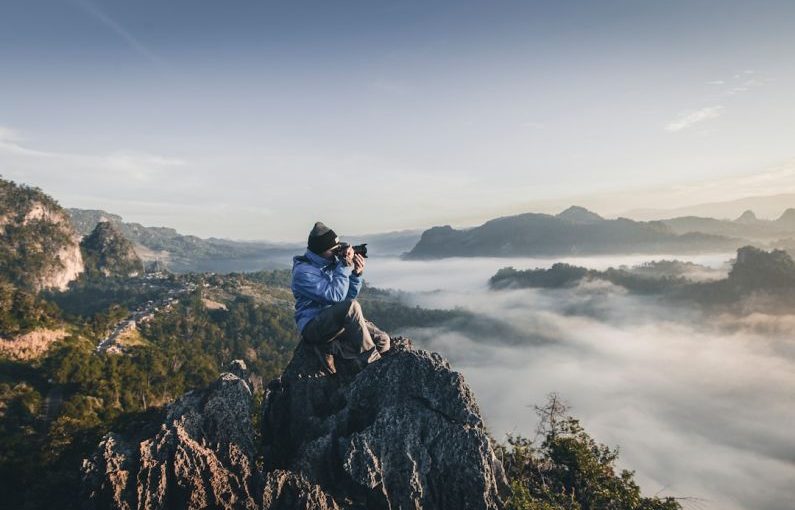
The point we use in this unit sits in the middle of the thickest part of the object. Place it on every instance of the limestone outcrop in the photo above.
(39, 247)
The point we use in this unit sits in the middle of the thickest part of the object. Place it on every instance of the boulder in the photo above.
(405, 432)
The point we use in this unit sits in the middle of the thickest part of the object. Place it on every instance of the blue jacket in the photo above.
(319, 283)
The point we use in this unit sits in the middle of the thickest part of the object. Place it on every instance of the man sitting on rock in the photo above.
(326, 281)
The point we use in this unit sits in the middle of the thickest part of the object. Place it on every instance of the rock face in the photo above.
(71, 266)
(403, 433)
(38, 246)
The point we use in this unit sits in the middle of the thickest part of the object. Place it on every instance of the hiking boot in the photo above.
(326, 360)
(371, 356)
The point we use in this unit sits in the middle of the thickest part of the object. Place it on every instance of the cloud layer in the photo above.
(700, 406)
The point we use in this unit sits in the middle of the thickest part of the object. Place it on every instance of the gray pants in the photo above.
(348, 334)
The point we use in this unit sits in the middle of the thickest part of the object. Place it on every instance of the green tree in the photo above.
(569, 470)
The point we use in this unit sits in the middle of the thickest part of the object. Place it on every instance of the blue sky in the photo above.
(254, 119)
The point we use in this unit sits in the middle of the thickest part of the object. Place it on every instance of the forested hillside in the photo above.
(54, 409)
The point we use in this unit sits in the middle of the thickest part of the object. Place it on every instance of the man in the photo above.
(326, 281)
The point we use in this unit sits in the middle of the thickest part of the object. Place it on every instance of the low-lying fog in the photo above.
(701, 406)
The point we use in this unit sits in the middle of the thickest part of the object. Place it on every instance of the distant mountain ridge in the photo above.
(766, 206)
(186, 253)
(747, 225)
(574, 231)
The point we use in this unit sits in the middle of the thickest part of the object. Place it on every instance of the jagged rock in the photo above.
(107, 475)
(203, 456)
(285, 490)
(406, 432)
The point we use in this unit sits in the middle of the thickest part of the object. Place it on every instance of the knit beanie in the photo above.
(321, 238)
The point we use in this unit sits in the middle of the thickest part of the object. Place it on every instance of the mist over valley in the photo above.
(698, 399)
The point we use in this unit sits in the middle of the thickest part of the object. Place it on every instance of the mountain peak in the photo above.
(581, 215)
(748, 217)
(787, 216)
(109, 253)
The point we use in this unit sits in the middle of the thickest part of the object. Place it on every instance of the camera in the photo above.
(360, 249)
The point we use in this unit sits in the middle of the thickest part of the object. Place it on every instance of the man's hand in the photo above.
(347, 256)
(358, 264)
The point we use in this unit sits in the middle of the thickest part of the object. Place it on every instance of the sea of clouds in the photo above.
(701, 405)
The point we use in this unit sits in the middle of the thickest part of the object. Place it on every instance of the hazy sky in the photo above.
(254, 119)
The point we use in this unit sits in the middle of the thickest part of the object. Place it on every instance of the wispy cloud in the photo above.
(744, 86)
(724, 89)
(136, 45)
(689, 119)
(739, 83)
(20, 158)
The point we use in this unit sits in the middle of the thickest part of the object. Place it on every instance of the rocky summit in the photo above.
(108, 253)
(405, 432)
